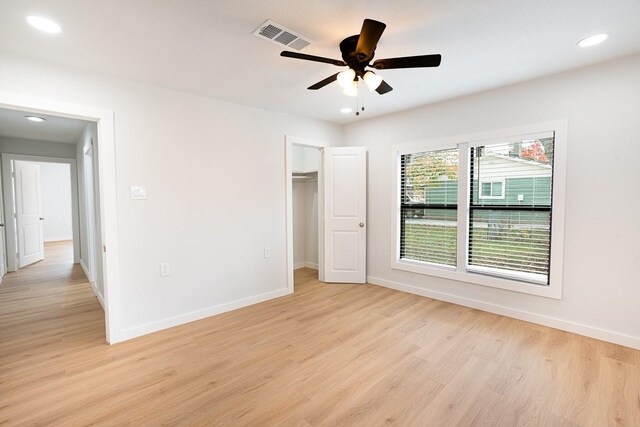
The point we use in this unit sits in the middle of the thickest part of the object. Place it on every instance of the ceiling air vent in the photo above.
(278, 34)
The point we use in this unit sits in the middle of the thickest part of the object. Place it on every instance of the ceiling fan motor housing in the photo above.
(349, 55)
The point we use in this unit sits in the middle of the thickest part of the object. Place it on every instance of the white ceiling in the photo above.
(55, 129)
(206, 47)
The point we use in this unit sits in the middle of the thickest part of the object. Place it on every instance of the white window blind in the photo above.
(510, 225)
(428, 206)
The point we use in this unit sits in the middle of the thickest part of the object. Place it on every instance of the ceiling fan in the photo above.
(357, 54)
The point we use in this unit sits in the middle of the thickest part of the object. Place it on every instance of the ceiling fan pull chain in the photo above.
(362, 108)
(358, 97)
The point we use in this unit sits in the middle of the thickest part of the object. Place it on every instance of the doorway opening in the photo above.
(304, 207)
(341, 210)
(43, 214)
(50, 215)
(305, 168)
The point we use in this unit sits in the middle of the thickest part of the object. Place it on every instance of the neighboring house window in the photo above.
(492, 190)
(483, 212)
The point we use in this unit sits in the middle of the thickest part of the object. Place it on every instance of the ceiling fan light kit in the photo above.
(351, 89)
(357, 53)
(372, 80)
(345, 78)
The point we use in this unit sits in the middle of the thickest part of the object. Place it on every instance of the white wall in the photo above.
(299, 197)
(311, 201)
(56, 201)
(214, 173)
(305, 224)
(89, 135)
(305, 159)
(37, 148)
(601, 292)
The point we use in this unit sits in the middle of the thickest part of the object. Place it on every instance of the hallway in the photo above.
(45, 302)
(45, 309)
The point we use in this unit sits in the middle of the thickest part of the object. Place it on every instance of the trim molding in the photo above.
(552, 322)
(85, 269)
(203, 313)
(58, 239)
(94, 288)
(305, 264)
(98, 294)
(107, 179)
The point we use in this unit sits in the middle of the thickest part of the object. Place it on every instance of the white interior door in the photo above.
(29, 220)
(3, 264)
(345, 216)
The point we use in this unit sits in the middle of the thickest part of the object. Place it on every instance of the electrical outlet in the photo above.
(267, 252)
(164, 268)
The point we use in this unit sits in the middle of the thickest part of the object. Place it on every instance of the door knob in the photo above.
(361, 224)
(41, 219)
(1, 224)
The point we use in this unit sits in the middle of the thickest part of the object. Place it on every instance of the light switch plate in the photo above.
(138, 192)
(164, 269)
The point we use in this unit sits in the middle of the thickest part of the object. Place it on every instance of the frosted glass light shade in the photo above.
(372, 80)
(345, 78)
(352, 89)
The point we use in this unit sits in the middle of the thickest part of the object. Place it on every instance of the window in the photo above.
(482, 212)
(429, 207)
(510, 232)
(492, 190)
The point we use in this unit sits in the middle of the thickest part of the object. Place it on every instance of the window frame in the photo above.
(464, 143)
(492, 197)
(401, 232)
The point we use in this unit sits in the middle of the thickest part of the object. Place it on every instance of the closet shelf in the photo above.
(305, 176)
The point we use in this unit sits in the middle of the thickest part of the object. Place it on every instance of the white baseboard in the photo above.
(552, 322)
(97, 294)
(305, 264)
(181, 319)
(58, 239)
(94, 288)
(84, 268)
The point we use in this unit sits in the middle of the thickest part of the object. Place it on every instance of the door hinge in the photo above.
(104, 248)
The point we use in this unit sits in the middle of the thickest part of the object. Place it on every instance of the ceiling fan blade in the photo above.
(306, 57)
(323, 83)
(384, 88)
(408, 62)
(368, 40)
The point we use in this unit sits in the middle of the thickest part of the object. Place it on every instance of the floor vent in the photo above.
(278, 34)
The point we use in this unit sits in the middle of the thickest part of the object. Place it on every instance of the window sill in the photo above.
(478, 279)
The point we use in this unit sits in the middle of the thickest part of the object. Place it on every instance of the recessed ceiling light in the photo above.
(593, 40)
(35, 118)
(346, 110)
(43, 24)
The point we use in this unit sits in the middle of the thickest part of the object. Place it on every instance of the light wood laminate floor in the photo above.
(328, 355)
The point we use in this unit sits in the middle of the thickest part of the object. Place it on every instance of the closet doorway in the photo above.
(305, 167)
(304, 179)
